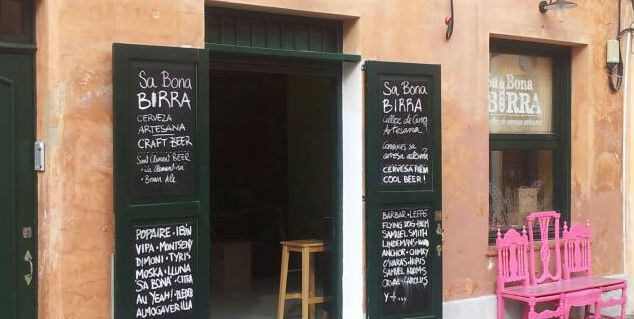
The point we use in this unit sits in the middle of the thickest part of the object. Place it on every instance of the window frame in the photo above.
(559, 140)
(28, 26)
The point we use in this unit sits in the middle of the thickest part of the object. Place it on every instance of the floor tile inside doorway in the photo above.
(257, 302)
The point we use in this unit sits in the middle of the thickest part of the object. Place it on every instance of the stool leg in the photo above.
(283, 278)
(305, 281)
(311, 307)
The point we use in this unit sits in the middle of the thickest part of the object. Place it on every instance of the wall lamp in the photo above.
(555, 5)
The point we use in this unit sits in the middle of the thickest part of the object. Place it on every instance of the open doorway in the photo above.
(273, 179)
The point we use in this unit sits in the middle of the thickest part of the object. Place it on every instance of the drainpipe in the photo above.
(626, 183)
(624, 177)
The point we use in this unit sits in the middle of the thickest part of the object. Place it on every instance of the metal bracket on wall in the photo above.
(39, 150)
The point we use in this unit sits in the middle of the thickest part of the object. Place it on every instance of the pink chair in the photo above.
(544, 220)
(551, 288)
(577, 253)
(513, 269)
(578, 260)
(583, 298)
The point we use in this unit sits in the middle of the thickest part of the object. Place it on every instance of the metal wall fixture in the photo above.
(556, 5)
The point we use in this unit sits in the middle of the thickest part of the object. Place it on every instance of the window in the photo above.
(529, 132)
(12, 14)
(16, 21)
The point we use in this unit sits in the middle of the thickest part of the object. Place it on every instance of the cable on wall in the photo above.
(615, 70)
(449, 22)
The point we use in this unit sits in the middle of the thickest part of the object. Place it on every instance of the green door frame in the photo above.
(305, 65)
(24, 188)
(253, 41)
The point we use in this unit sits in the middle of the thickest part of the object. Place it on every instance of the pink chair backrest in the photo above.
(512, 258)
(544, 220)
(577, 256)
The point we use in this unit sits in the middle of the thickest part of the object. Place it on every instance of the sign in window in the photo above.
(520, 94)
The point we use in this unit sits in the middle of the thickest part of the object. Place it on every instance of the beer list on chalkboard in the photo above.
(162, 259)
(406, 134)
(405, 247)
(164, 126)
(403, 190)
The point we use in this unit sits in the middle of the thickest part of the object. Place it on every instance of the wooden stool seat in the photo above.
(303, 243)
(307, 295)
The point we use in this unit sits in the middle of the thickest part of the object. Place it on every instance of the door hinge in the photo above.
(29, 259)
(439, 231)
(39, 151)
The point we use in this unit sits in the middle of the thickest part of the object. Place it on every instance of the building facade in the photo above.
(300, 109)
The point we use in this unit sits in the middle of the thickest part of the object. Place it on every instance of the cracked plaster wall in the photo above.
(74, 94)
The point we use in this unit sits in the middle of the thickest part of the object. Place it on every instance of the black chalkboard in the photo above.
(163, 261)
(161, 182)
(163, 133)
(403, 190)
(405, 264)
(406, 133)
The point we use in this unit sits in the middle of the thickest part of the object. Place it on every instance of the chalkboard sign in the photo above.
(403, 184)
(406, 131)
(163, 261)
(405, 251)
(161, 182)
(164, 130)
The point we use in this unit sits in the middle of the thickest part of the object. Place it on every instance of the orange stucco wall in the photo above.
(414, 30)
(629, 156)
(74, 93)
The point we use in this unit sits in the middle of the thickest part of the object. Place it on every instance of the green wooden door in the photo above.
(161, 186)
(18, 284)
(403, 190)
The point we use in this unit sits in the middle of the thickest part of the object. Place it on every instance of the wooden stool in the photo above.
(305, 247)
